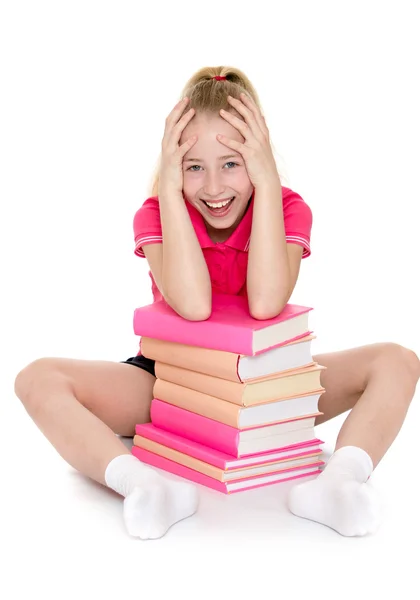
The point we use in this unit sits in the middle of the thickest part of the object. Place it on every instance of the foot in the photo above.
(151, 509)
(340, 497)
(349, 507)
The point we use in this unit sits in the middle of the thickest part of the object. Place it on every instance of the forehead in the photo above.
(206, 127)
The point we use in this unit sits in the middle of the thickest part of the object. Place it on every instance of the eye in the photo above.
(228, 163)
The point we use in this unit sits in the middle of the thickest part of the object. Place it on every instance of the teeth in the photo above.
(218, 204)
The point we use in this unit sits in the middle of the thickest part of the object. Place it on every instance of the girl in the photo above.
(220, 220)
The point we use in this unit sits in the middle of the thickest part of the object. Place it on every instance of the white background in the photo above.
(85, 89)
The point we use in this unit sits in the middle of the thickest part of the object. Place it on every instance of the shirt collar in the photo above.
(239, 239)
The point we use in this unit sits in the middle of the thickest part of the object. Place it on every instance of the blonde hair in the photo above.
(208, 95)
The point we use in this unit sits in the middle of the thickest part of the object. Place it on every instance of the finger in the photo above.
(248, 101)
(187, 145)
(230, 143)
(182, 123)
(240, 125)
(173, 134)
(248, 115)
(176, 112)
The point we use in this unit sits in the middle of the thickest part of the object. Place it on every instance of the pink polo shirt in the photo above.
(227, 261)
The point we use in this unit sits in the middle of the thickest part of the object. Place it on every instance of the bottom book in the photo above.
(227, 487)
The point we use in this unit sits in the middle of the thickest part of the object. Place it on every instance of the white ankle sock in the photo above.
(152, 502)
(340, 497)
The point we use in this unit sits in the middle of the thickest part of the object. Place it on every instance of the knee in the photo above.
(400, 359)
(35, 377)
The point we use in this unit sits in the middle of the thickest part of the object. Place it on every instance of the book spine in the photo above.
(197, 402)
(182, 444)
(172, 467)
(216, 363)
(228, 391)
(220, 459)
(208, 334)
(194, 427)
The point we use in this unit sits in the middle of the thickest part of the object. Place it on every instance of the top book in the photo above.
(230, 327)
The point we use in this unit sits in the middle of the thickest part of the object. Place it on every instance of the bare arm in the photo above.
(178, 265)
(273, 264)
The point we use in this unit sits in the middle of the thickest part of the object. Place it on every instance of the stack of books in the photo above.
(235, 398)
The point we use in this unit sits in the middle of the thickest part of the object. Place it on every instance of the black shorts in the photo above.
(147, 364)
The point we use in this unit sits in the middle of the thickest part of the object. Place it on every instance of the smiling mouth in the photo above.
(219, 209)
(220, 204)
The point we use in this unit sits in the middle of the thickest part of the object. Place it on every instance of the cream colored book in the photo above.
(276, 387)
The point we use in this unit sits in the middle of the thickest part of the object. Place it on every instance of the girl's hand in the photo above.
(170, 175)
(256, 151)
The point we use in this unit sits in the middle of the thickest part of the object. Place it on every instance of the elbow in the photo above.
(263, 311)
(196, 311)
(197, 314)
(268, 305)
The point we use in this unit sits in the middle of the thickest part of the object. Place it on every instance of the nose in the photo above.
(213, 185)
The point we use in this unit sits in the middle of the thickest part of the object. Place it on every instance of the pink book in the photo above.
(220, 459)
(227, 487)
(230, 326)
(230, 440)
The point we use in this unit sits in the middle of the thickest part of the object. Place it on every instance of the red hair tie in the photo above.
(218, 77)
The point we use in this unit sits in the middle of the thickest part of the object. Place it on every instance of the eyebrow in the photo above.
(220, 158)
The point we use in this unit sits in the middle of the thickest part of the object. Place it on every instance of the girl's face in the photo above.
(214, 174)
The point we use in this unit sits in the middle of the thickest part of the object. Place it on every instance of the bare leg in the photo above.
(377, 382)
(80, 406)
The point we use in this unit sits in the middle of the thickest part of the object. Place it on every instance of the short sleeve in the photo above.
(146, 225)
(297, 221)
